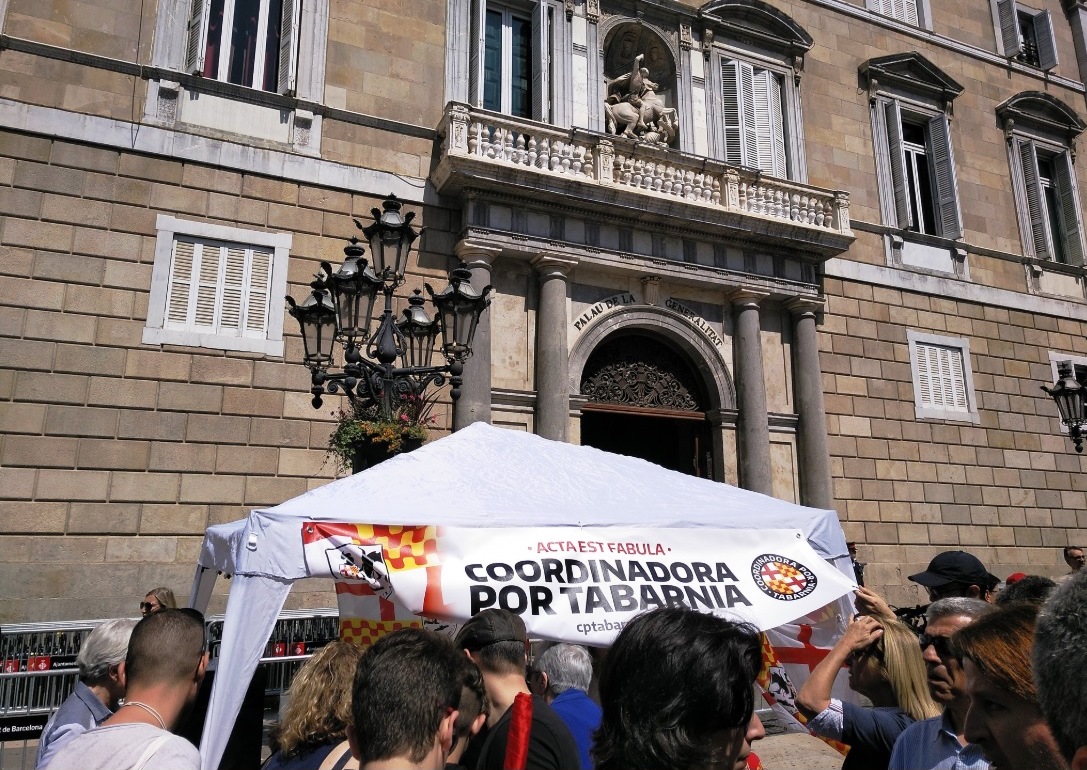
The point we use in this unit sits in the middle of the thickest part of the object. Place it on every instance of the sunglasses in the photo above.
(148, 607)
(942, 644)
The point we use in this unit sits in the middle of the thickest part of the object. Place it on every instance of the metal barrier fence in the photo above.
(38, 669)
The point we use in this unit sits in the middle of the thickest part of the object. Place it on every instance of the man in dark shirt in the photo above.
(497, 641)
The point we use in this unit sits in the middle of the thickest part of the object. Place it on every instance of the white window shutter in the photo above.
(943, 166)
(288, 46)
(259, 289)
(955, 394)
(196, 36)
(730, 106)
(747, 115)
(1064, 178)
(924, 374)
(208, 286)
(478, 45)
(777, 126)
(893, 117)
(178, 294)
(540, 53)
(1047, 44)
(233, 287)
(1009, 27)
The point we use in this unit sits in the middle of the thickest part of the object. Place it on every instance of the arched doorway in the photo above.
(646, 400)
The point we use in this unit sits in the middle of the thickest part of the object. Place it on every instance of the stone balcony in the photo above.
(603, 176)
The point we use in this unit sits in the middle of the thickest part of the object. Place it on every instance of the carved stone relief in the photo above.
(639, 71)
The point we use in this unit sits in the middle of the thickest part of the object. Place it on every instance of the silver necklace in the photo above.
(149, 710)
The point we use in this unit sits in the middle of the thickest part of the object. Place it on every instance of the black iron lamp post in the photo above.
(341, 308)
(1069, 393)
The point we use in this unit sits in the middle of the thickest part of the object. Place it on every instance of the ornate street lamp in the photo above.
(395, 360)
(1068, 393)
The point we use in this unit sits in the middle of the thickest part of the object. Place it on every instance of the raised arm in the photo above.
(814, 695)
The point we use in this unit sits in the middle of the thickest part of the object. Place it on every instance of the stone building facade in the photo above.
(820, 249)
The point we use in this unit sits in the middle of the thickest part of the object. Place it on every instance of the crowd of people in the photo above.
(991, 682)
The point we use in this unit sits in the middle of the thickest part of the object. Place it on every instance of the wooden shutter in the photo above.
(259, 289)
(941, 378)
(1028, 158)
(477, 45)
(208, 267)
(903, 205)
(1009, 27)
(196, 36)
(909, 12)
(232, 291)
(767, 123)
(747, 113)
(1072, 228)
(540, 57)
(1047, 44)
(943, 168)
(730, 102)
(290, 21)
(178, 294)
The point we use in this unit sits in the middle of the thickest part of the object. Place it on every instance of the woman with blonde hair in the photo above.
(1005, 718)
(313, 732)
(885, 666)
(161, 598)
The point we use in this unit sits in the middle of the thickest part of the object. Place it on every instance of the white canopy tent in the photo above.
(482, 477)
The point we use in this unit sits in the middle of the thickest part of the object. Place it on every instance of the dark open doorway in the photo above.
(646, 400)
(677, 443)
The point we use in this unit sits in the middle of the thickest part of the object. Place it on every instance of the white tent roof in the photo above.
(483, 476)
(480, 476)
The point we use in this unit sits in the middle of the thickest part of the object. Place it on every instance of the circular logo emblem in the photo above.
(781, 578)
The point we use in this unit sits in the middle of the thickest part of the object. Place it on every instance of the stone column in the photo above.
(474, 404)
(753, 428)
(552, 348)
(816, 483)
(1076, 11)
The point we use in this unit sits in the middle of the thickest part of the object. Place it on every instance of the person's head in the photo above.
(956, 573)
(497, 641)
(167, 651)
(1059, 657)
(101, 655)
(319, 708)
(1029, 588)
(565, 667)
(894, 660)
(1074, 558)
(1004, 716)
(473, 710)
(677, 691)
(945, 617)
(405, 696)
(160, 598)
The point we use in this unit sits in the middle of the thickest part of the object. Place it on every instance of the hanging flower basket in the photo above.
(369, 433)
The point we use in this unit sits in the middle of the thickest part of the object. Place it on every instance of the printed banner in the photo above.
(571, 584)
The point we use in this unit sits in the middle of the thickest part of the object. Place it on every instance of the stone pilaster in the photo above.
(816, 483)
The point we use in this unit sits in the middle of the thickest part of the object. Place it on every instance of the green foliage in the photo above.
(373, 422)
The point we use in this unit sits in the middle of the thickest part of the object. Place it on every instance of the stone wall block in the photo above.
(216, 490)
(187, 397)
(68, 485)
(31, 517)
(173, 520)
(248, 460)
(103, 518)
(122, 455)
(270, 490)
(111, 391)
(21, 417)
(141, 549)
(80, 421)
(219, 370)
(217, 429)
(172, 456)
(139, 487)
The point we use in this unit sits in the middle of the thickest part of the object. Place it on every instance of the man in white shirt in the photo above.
(163, 669)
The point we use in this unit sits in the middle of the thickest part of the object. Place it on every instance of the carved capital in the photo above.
(707, 42)
(456, 136)
(685, 39)
(552, 265)
(592, 11)
(746, 296)
(651, 289)
(806, 306)
(475, 254)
